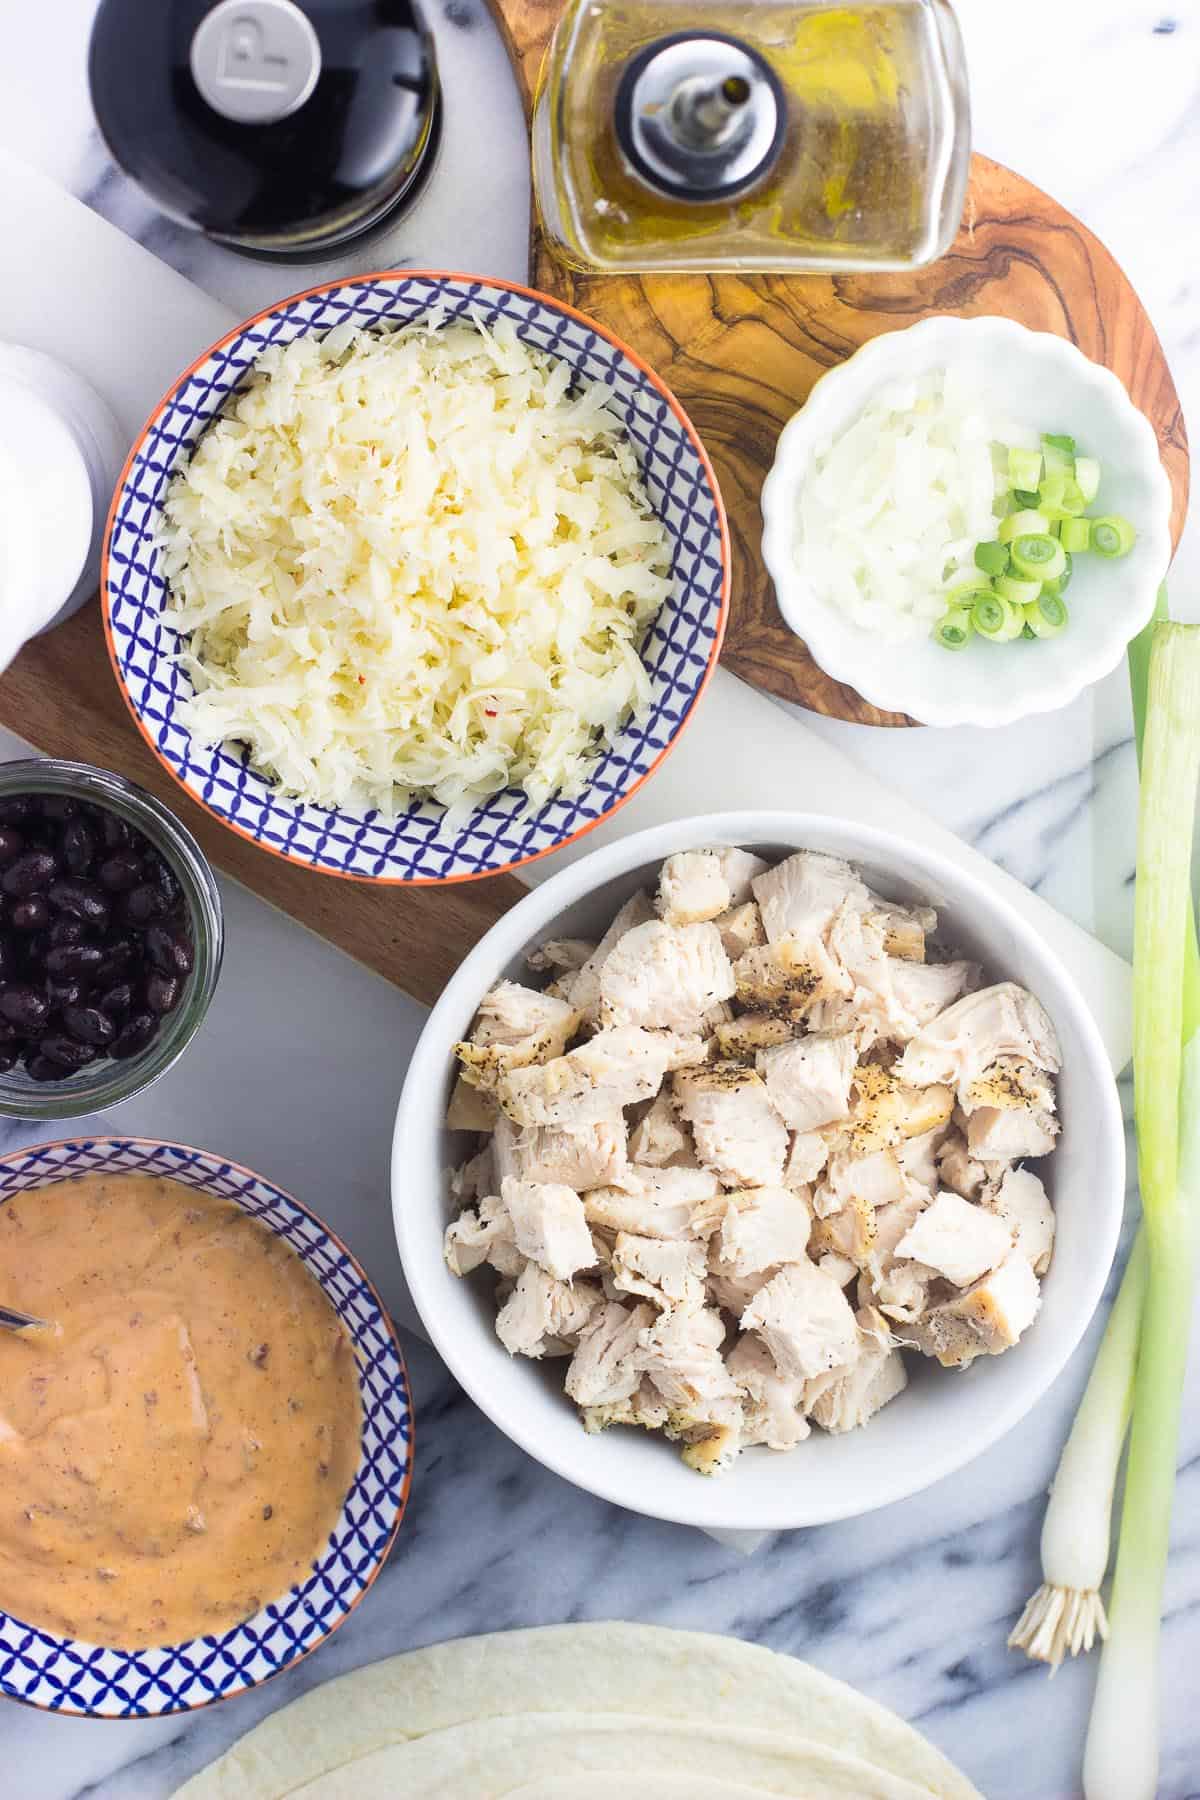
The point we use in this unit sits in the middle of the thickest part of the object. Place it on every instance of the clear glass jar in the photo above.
(105, 1083)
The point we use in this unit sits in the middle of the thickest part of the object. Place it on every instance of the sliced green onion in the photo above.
(1057, 460)
(1112, 536)
(1062, 582)
(1022, 523)
(1087, 474)
(954, 630)
(1026, 496)
(966, 593)
(992, 558)
(1024, 468)
(1075, 535)
(1047, 615)
(1038, 556)
(1017, 592)
(1058, 440)
(1050, 494)
(996, 618)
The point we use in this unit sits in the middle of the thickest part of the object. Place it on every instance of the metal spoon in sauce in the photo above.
(12, 1320)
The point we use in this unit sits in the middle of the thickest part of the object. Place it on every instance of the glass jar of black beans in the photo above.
(110, 939)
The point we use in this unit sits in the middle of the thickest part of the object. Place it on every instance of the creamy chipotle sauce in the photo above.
(177, 1454)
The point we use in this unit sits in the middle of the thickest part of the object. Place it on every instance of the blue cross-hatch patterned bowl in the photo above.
(67, 1676)
(680, 650)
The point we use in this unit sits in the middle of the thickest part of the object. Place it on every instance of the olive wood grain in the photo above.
(742, 352)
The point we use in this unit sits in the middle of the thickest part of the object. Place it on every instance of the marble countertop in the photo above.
(299, 1065)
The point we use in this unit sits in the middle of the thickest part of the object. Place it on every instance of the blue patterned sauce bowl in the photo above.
(65, 1675)
(419, 846)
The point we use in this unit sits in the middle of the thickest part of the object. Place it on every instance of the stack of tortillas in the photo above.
(583, 1712)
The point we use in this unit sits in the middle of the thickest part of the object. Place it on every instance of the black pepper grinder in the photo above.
(283, 128)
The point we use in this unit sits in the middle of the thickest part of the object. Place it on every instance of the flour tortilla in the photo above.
(495, 1759)
(674, 1677)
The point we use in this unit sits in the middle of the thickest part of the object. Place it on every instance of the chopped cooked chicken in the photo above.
(516, 1026)
(753, 1105)
(1022, 1203)
(886, 1109)
(741, 928)
(839, 1268)
(593, 1082)
(549, 1225)
(973, 1033)
(736, 1129)
(850, 1232)
(585, 993)
(645, 1407)
(957, 1238)
(799, 896)
(483, 1236)
(957, 1169)
(692, 887)
(603, 1369)
(876, 1177)
(804, 1319)
(918, 1157)
(544, 1316)
(923, 990)
(808, 1080)
(671, 1202)
(770, 1403)
(844, 1399)
(561, 954)
(662, 975)
(988, 1318)
(667, 1272)
(474, 1178)
(658, 1137)
(807, 1155)
(592, 1156)
(471, 1108)
(1004, 1134)
(761, 1228)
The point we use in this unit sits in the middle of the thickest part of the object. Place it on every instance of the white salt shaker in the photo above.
(60, 453)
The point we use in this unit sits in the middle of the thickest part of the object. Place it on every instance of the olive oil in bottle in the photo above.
(783, 135)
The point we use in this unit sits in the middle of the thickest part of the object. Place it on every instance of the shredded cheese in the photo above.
(414, 564)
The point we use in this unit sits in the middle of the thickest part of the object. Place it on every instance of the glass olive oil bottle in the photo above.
(774, 135)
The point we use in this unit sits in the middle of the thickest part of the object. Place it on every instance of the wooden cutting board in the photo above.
(742, 352)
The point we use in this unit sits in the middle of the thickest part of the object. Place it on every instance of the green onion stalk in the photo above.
(1066, 1615)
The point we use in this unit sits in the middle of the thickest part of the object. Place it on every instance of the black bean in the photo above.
(8, 1033)
(67, 1050)
(32, 914)
(11, 843)
(169, 950)
(117, 1001)
(58, 806)
(14, 807)
(73, 959)
(23, 1006)
(40, 1068)
(162, 992)
(88, 1025)
(81, 899)
(115, 832)
(8, 958)
(143, 903)
(117, 956)
(120, 871)
(9, 1055)
(163, 877)
(34, 946)
(78, 846)
(67, 931)
(64, 993)
(29, 873)
(134, 1036)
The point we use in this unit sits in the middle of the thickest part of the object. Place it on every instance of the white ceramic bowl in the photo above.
(943, 1419)
(1035, 379)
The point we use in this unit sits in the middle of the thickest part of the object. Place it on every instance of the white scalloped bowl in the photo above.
(1039, 380)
